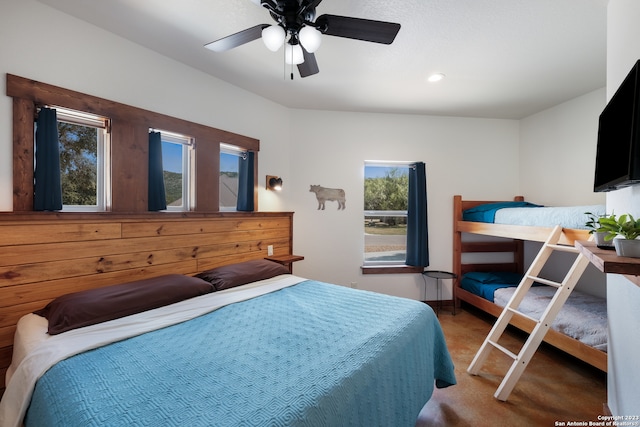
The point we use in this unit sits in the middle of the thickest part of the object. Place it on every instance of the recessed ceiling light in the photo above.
(436, 77)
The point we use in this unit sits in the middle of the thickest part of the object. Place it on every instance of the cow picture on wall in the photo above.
(331, 194)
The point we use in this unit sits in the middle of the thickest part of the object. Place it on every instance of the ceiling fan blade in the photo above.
(237, 39)
(357, 28)
(310, 66)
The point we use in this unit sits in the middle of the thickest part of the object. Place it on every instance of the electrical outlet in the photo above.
(269, 250)
(354, 285)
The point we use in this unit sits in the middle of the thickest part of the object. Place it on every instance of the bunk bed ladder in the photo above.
(563, 290)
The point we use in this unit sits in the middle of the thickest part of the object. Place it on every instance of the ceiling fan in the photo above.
(296, 29)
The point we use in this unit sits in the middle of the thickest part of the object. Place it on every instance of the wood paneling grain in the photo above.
(23, 151)
(45, 255)
(129, 166)
(29, 234)
(174, 228)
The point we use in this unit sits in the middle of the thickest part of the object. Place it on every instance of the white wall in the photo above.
(473, 157)
(40, 43)
(478, 158)
(558, 146)
(623, 297)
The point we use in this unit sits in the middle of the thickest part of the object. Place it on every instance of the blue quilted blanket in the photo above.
(312, 354)
(487, 211)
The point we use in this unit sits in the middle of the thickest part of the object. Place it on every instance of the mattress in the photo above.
(299, 353)
(524, 213)
(583, 317)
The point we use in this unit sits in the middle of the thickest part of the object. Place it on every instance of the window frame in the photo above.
(234, 151)
(188, 168)
(103, 156)
(386, 267)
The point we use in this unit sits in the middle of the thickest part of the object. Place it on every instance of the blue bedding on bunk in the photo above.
(484, 284)
(487, 211)
(311, 354)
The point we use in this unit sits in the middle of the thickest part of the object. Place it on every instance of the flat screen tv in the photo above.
(618, 152)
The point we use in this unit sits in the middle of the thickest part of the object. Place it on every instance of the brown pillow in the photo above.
(229, 276)
(93, 306)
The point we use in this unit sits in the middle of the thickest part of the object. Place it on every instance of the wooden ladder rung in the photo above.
(545, 281)
(503, 349)
(513, 310)
(563, 248)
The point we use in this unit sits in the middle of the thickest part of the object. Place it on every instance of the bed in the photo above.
(515, 222)
(251, 344)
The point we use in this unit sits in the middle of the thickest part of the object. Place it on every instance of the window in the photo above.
(386, 192)
(177, 167)
(229, 168)
(121, 181)
(84, 160)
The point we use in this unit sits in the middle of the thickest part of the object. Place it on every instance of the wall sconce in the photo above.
(274, 183)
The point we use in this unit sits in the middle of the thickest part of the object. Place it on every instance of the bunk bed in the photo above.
(505, 259)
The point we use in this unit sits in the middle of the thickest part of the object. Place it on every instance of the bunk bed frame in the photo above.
(512, 242)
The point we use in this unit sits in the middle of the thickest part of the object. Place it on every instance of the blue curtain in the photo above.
(417, 230)
(245, 183)
(47, 187)
(157, 197)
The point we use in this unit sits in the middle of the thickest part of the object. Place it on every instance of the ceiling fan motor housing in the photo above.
(292, 15)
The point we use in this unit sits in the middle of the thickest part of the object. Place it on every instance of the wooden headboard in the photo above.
(45, 255)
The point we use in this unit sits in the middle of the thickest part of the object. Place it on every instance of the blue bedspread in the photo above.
(312, 354)
(487, 211)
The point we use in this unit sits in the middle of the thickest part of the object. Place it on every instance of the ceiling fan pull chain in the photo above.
(291, 66)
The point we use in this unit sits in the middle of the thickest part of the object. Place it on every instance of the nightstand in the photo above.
(439, 276)
(286, 260)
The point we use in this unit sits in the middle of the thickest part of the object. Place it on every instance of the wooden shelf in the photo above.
(608, 262)
(286, 260)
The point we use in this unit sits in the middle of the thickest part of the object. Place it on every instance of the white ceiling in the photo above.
(502, 58)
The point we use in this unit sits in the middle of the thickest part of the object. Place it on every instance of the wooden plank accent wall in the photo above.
(23, 154)
(45, 255)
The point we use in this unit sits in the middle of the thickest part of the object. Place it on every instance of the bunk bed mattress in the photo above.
(583, 316)
(308, 353)
(523, 213)
(567, 217)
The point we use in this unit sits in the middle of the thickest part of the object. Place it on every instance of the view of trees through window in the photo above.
(386, 191)
(80, 147)
(229, 169)
(78, 163)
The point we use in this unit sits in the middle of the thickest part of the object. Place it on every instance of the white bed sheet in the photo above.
(37, 351)
(566, 216)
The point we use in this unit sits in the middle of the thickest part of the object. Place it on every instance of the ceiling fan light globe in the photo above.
(293, 54)
(310, 38)
(273, 37)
